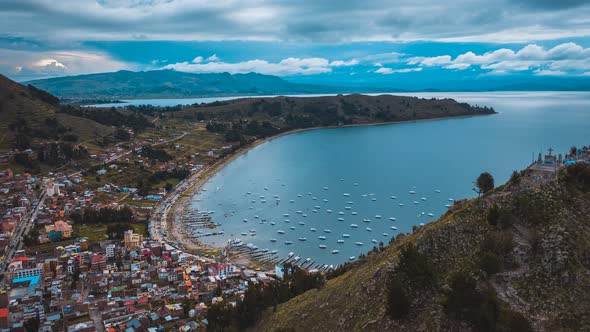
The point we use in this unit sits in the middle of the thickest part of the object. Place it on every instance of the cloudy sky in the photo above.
(346, 42)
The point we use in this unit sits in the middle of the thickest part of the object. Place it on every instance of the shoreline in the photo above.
(207, 172)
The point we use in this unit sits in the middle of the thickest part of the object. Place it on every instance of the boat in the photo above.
(291, 201)
(334, 252)
(291, 254)
(321, 237)
(415, 202)
(431, 214)
(366, 220)
(401, 204)
(287, 220)
(325, 188)
(340, 219)
(423, 198)
(244, 234)
(450, 199)
(322, 246)
(341, 213)
(385, 234)
(302, 239)
(285, 215)
(281, 232)
(329, 211)
(263, 201)
(354, 213)
(378, 216)
(272, 223)
(299, 195)
(314, 211)
(301, 223)
(274, 251)
(292, 227)
(358, 243)
(317, 207)
(393, 197)
(394, 228)
(346, 194)
(354, 225)
(347, 208)
(392, 218)
(350, 203)
(412, 192)
(345, 235)
(374, 241)
(261, 197)
(313, 229)
(299, 212)
(314, 198)
(288, 242)
(368, 229)
(245, 220)
(340, 241)
(265, 188)
(273, 240)
(437, 191)
(355, 184)
(248, 193)
(327, 231)
(304, 215)
(421, 224)
(253, 201)
(448, 205)
(325, 200)
(256, 217)
(351, 258)
(373, 199)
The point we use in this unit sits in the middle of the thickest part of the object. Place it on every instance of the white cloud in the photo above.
(29, 65)
(388, 71)
(214, 57)
(560, 59)
(545, 72)
(285, 67)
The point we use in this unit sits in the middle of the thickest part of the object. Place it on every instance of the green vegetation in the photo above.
(484, 183)
(398, 304)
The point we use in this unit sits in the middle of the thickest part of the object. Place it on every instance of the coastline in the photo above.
(202, 176)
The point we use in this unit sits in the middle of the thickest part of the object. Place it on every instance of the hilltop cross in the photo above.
(550, 150)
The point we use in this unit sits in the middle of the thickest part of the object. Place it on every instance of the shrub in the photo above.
(398, 304)
(416, 265)
(493, 215)
(506, 219)
(490, 262)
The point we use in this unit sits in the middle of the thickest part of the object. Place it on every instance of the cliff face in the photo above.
(524, 248)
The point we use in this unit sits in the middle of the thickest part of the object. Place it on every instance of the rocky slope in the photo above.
(538, 234)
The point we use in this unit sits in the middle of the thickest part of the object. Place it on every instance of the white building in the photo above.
(110, 251)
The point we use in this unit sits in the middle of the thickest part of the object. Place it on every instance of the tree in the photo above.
(484, 183)
(573, 151)
(398, 304)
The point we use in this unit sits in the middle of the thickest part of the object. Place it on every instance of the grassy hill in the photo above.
(516, 260)
(34, 113)
(169, 84)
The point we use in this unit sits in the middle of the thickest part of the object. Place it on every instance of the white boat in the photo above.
(392, 218)
(244, 234)
(412, 192)
(393, 197)
(422, 224)
(350, 203)
(431, 214)
(273, 223)
(355, 184)
(448, 205)
(321, 237)
(373, 199)
(401, 204)
(281, 231)
(291, 201)
(261, 197)
(325, 200)
(374, 241)
(292, 227)
(415, 202)
(368, 229)
(313, 229)
(378, 216)
(245, 220)
(354, 225)
(291, 254)
(340, 241)
(385, 234)
(335, 252)
(304, 215)
(265, 188)
(437, 191)
(354, 213)
(314, 198)
(285, 215)
(253, 201)
(325, 188)
(274, 251)
(347, 208)
(345, 235)
(340, 219)
(322, 246)
(329, 211)
(256, 217)
(276, 196)
(341, 213)
(450, 199)
(298, 195)
(299, 212)
(288, 242)
(302, 239)
(287, 220)
(394, 228)
(366, 220)
(263, 201)
(301, 223)
(273, 240)
(423, 198)
(351, 258)
(317, 207)
(248, 193)
(314, 211)
(327, 231)
(358, 243)
(346, 194)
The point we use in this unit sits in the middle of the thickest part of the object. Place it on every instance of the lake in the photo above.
(330, 179)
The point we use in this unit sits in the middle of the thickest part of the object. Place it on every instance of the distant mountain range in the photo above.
(174, 84)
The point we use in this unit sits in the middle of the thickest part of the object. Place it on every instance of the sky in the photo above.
(401, 43)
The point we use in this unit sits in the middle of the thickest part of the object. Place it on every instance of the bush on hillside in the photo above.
(398, 303)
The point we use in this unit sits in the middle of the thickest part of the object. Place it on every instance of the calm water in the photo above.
(385, 161)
